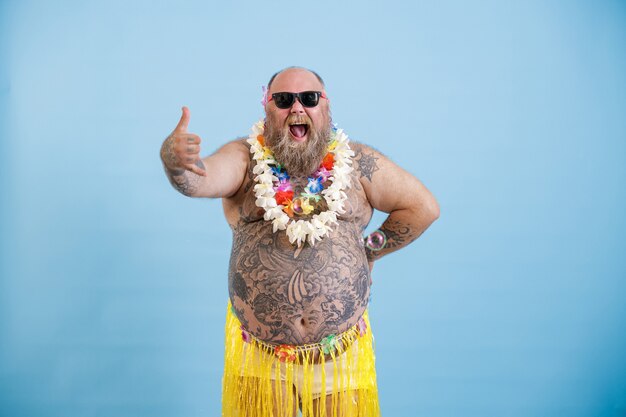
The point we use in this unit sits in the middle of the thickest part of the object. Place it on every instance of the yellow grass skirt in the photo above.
(263, 380)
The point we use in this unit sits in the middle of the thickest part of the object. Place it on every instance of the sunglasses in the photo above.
(285, 100)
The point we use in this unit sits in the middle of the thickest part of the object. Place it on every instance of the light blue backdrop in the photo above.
(113, 286)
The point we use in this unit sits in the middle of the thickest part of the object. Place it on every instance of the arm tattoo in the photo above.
(399, 234)
(184, 181)
(367, 164)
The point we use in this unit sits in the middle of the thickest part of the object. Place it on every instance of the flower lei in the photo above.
(275, 195)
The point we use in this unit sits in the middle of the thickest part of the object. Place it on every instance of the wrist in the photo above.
(374, 243)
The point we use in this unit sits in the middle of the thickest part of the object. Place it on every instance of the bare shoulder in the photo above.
(367, 161)
(387, 185)
(238, 155)
(235, 153)
(227, 168)
(236, 146)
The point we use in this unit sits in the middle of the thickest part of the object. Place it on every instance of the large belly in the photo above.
(285, 294)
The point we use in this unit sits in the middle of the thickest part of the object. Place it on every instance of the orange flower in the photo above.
(261, 140)
(288, 209)
(329, 161)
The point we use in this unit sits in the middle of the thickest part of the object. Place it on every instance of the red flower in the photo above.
(328, 161)
(282, 197)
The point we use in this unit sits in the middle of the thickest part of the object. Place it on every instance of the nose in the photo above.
(297, 107)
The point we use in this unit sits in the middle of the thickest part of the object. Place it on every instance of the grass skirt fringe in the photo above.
(262, 380)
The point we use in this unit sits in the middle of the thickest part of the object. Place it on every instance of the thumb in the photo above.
(184, 120)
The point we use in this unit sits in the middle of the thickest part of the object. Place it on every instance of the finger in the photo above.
(184, 120)
(190, 159)
(192, 139)
(196, 170)
(183, 142)
(192, 149)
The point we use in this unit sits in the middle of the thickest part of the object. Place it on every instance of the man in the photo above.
(298, 197)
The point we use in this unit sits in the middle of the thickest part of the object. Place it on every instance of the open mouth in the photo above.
(298, 131)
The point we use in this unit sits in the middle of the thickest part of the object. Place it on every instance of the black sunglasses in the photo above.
(285, 100)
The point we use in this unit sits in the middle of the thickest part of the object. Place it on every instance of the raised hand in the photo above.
(181, 149)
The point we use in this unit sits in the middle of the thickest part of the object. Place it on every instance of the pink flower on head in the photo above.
(264, 98)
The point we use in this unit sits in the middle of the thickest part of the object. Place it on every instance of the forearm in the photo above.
(186, 182)
(399, 229)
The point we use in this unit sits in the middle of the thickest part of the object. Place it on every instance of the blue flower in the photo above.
(314, 185)
(280, 173)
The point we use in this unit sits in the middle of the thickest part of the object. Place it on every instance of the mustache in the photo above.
(298, 119)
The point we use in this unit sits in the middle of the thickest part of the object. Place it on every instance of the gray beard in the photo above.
(299, 159)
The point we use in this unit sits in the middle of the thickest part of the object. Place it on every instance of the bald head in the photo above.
(297, 72)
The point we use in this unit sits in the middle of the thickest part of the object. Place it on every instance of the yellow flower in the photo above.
(267, 152)
(306, 207)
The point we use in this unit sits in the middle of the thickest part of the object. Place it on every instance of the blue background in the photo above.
(113, 286)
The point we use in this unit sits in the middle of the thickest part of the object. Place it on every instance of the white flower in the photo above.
(336, 206)
(315, 236)
(273, 213)
(342, 170)
(297, 231)
(266, 202)
(327, 217)
(320, 229)
(266, 177)
(264, 190)
(259, 168)
(333, 195)
(280, 222)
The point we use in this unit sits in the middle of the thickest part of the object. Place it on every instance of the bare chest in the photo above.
(286, 294)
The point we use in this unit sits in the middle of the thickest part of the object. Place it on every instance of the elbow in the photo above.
(425, 213)
(430, 210)
(434, 210)
(187, 193)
